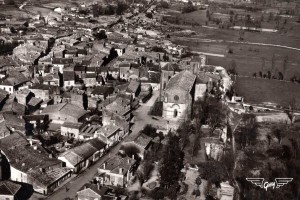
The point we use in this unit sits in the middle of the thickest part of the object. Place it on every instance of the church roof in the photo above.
(183, 80)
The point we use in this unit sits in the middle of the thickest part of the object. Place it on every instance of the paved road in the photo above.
(141, 119)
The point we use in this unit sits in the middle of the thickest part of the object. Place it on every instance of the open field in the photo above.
(259, 90)
(248, 58)
(14, 11)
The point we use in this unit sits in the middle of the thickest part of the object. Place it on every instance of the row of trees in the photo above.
(98, 10)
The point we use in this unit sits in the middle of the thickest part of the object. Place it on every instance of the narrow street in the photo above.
(141, 119)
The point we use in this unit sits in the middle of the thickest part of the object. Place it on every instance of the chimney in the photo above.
(98, 185)
(128, 160)
(120, 170)
(23, 164)
(103, 165)
(133, 156)
(35, 147)
(50, 155)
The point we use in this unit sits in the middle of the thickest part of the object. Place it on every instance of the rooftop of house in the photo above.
(183, 80)
(72, 125)
(133, 86)
(14, 78)
(34, 101)
(89, 130)
(115, 163)
(107, 130)
(3, 95)
(102, 90)
(90, 189)
(9, 188)
(143, 140)
(25, 157)
(66, 108)
(62, 61)
(170, 67)
(69, 76)
(12, 106)
(84, 151)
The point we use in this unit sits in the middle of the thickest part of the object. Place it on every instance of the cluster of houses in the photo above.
(62, 82)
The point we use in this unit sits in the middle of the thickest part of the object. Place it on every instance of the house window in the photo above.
(176, 97)
(175, 113)
(9, 89)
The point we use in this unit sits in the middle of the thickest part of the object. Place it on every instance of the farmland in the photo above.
(259, 90)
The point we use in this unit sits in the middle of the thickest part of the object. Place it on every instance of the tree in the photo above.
(279, 132)
(100, 35)
(269, 75)
(189, 8)
(284, 65)
(247, 133)
(263, 63)
(198, 181)
(149, 130)
(164, 4)
(158, 193)
(149, 15)
(110, 10)
(232, 69)
(216, 116)
(184, 131)
(195, 146)
(171, 162)
(212, 171)
(291, 110)
(121, 8)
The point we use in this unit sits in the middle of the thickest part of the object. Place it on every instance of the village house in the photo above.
(69, 79)
(102, 92)
(80, 157)
(61, 63)
(65, 112)
(142, 142)
(88, 131)
(117, 171)
(13, 82)
(133, 89)
(44, 92)
(51, 79)
(71, 130)
(30, 163)
(119, 113)
(10, 190)
(111, 134)
(98, 192)
(179, 96)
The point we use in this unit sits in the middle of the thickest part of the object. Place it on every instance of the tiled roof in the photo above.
(66, 108)
(9, 188)
(107, 130)
(84, 151)
(133, 86)
(117, 162)
(102, 90)
(143, 140)
(183, 80)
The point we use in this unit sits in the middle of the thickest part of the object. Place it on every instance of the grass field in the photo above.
(248, 58)
(259, 90)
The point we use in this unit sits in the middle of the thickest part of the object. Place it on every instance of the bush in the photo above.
(164, 4)
(189, 8)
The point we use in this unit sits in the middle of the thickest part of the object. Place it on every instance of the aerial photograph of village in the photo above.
(149, 99)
